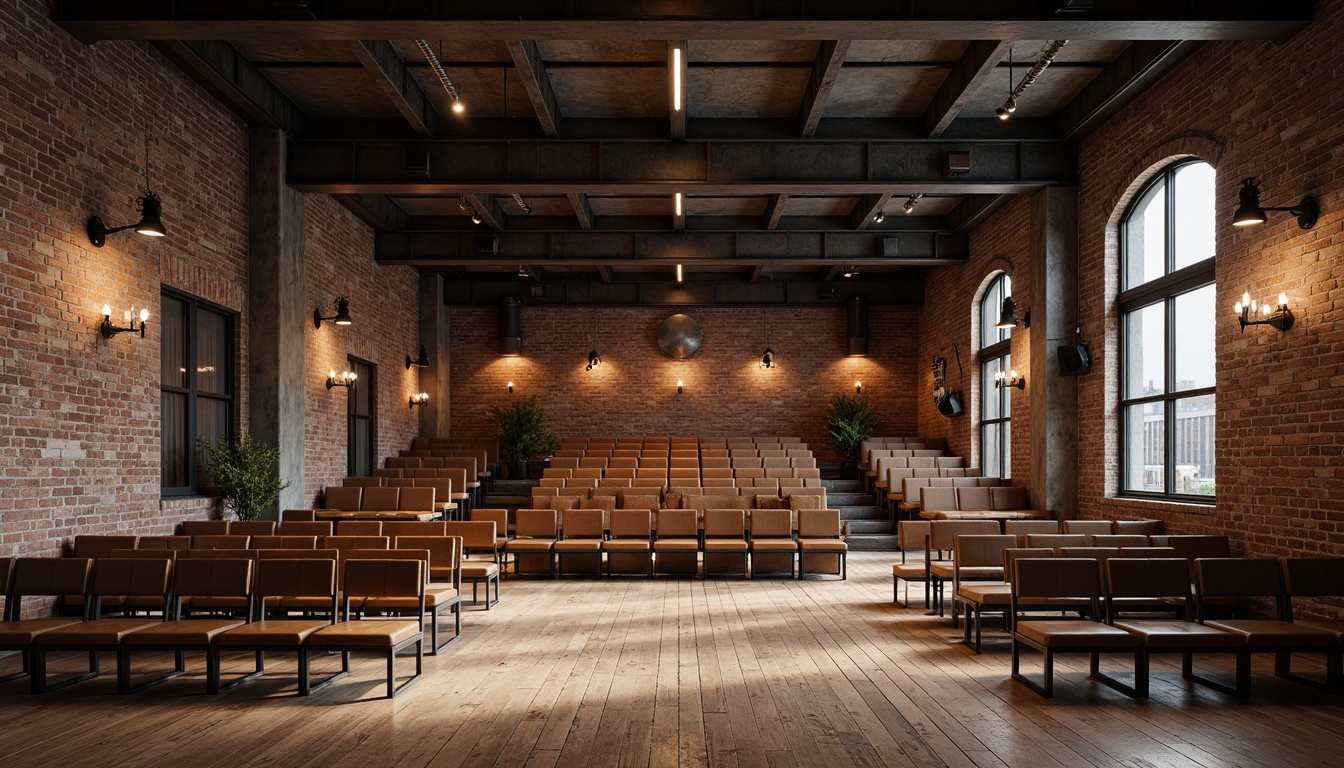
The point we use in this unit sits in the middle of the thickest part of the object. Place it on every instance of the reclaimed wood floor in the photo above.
(681, 672)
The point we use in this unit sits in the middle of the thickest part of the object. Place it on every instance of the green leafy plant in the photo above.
(246, 472)
(850, 420)
(522, 431)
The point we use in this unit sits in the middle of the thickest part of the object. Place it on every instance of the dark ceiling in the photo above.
(802, 124)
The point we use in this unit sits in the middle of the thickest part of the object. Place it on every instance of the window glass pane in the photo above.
(211, 351)
(1194, 445)
(990, 306)
(212, 419)
(363, 462)
(1194, 214)
(1144, 340)
(1144, 445)
(990, 399)
(1145, 238)
(173, 345)
(1006, 465)
(991, 459)
(1006, 393)
(360, 394)
(1193, 338)
(173, 452)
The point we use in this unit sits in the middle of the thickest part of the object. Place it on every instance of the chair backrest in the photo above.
(562, 503)
(1145, 527)
(1148, 577)
(818, 523)
(937, 499)
(1056, 540)
(943, 533)
(175, 543)
(139, 577)
(47, 577)
(1314, 576)
(298, 516)
(359, 528)
(417, 500)
(631, 523)
(307, 577)
(677, 523)
(1193, 547)
(341, 497)
(640, 501)
(1007, 498)
(94, 545)
(500, 517)
(584, 523)
(445, 554)
(1088, 527)
(475, 534)
(974, 499)
(387, 472)
(1023, 527)
(605, 503)
(1056, 577)
(772, 523)
(342, 543)
(220, 542)
(535, 523)
(1096, 553)
(366, 482)
(203, 527)
(381, 499)
(213, 577)
(981, 550)
(391, 577)
(1012, 554)
(306, 528)
(725, 523)
(911, 534)
(1119, 540)
(1147, 552)
(284, 542)
(395, 528)
(252, 528)
(1239, 577)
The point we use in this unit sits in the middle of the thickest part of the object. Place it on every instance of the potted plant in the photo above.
(850, 420)
(245, 472)
(522, 434)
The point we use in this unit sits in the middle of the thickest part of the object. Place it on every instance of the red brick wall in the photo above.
(727, 392)
(385, 304)
(1001, 244)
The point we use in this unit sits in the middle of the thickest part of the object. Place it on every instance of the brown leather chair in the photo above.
(440, 595)
(677, 543)
(771, 535)
(477, 536)
(582, 534)
(725, 542)
(535, 531)
(39, 577)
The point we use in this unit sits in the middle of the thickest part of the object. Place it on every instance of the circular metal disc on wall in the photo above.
(679, 336)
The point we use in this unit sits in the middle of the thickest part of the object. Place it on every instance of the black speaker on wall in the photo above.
(950, 404)
(1074, 360)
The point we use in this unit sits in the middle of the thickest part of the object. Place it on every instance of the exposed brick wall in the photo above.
(634, 392)
(338, 261)
(1001, 244)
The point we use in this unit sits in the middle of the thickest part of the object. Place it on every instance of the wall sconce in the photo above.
(594, 360)
(858, 387)
(109, 330)
(1008, 315)
(510, 387)
(1280, 318)
(149, 205)
(768, 359)
(1010, 379)
(680, 387)
(346, 379)
(420, 362)
(419, 399)
(1249, 211)
(342, 316)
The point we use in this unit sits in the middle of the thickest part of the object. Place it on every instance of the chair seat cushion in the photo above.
(822, 545)
(1266, 633)
(1333, 626)
(24, 632)
(676, 545)
(100, 632)
(981, 573)
(530, 545)
(1181, 634)
(186, 632)
(627, 545)
(1075, 633)
(986, 593)
(774, 545)
(479, 570)
(725, 545)
(908, 571)
(368, 633)
(578, 545)
(214, 603)
(270, 633)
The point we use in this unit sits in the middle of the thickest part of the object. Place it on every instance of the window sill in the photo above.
(1174, 505)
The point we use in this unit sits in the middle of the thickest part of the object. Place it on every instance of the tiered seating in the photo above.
(398, 503)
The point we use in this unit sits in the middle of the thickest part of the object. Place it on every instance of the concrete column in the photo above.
(434, 415)
(1054, 315)
(277, 312)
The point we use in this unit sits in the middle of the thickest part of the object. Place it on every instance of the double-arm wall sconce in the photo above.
(109, 330)
(1247, 308)
(346, 379)
(1010, 379)
(342, 316)
(419, 399)
(1250, 212)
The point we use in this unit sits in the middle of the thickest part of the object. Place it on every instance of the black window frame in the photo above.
(195, 305)
(1164, 290)
(366, 379)
(997, 351)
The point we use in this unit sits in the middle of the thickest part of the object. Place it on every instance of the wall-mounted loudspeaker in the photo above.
(1074, 360)
(950, 404)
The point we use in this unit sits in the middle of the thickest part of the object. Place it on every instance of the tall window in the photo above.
(196, 387)
(361, 432)
(1166, 307)
(996, 405)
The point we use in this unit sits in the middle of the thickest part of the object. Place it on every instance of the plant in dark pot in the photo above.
(850, 420)
(245, 472)
(522, 434)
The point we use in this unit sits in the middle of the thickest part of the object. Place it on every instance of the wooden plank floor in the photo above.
(682, 672)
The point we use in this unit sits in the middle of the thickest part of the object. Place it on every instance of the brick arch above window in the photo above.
(1152, 162)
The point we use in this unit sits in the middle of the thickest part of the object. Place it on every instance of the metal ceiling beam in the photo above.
(583, 212)
(382, 60)
(226, 73)
(93, 20)
(605, 273)
(774, 209)
(694, 249)
(527, 60)
(827, 274)
(754, 274)
(377, 211)
(974, 209)
(867, 208)
(1133, 71)
(799, 167)
(676, 112)
(491, 212)
(700, 290)
(656, 223)
(976, 64)
(830, 57)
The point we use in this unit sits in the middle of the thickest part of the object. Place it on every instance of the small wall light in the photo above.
(1010, 379)
(1280, 318)
(342, 316)
(594, 360)
(1249, 211)
(109, 330)
(681, 276)
(1008, 315)
(422, 361)
(419, 399)
(151, 221)
(768, 359)
(858, 387)
(346, 379)
(680, 387)
(510, 387)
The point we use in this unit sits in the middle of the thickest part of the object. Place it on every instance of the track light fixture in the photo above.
(420, 362)
(1250, 212)
(149, 205)
(448, 85)
(468, 209)
(109, 330)
(346, 379)
(768, 359)
(912, 202)
(879, 217)
(523, 205)
(1008, 315)
(1047, 55)
(851, 272)
(342, 316)
(594, 360)
(419, 399)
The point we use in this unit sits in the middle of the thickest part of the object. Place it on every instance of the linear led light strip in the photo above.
(448, 85)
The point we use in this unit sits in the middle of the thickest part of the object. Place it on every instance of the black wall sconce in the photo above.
(594, 360)
(768, 359)
(1281, 318)
(1010, 379)
(346, 379)
(342, 316)
(419, 399)
(1249, 211)
(109, 330)
(680, 387)
(858, 387)
(1008, 315)
(510, 387)
(149, 206)
(420, 362)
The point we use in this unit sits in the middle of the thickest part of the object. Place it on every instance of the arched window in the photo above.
(1166, 306)
(995, 355)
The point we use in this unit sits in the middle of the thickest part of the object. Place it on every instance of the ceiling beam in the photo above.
(830, 57)
(605, 273)
(754, 274)
(491, 212)
(93, 20)
(1132, 72)
(774, 209)
(676, 97)
(972, 211)
(582, 210)
(381, 60)
(827, 274)
(532, 69)
(377, 211)
(694, 249)
(867, 208)
(799, 167)
(660, 223)
(650, 289)
(976, 64)
(223, 71)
